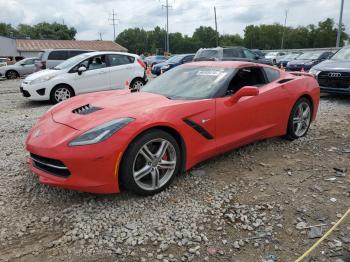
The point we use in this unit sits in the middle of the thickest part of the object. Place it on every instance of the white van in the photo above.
(85, 73)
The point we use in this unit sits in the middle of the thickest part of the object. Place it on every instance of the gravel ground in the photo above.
(257, 203)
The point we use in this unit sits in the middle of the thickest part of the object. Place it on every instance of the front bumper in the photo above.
(332, 90)
(91, 168)
(37, 92)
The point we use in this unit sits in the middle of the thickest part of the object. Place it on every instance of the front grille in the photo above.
(52, 166)
(25, 93)
(334, 79)
(86, 109)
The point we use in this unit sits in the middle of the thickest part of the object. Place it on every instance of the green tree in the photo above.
(7, 30)
(205, 36)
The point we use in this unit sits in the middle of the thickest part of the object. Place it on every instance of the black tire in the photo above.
(12, 74)
(132, 156)
(68, 91)
(274, 62)
(292, 133)
(137, 84)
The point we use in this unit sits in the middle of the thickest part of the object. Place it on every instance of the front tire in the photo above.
(12, 74)
(61, 93)
(299, 119)
(150, 163)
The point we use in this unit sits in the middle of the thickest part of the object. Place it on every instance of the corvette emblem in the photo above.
(36, 133)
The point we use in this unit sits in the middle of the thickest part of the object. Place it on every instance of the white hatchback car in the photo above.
(88, 72)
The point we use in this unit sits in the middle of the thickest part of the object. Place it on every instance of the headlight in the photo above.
(314, 71)
(42, 79)
(101, 132)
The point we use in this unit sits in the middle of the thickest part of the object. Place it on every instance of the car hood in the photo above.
(301, 62)
(160, 65)
(43, 73)
(329, 65)
(108, 106)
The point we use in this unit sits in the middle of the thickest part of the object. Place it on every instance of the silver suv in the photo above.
(52, 57)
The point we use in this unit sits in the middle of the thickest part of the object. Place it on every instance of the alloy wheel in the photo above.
(62, 94)
(138, 85)
(301, 119)
(154, 164)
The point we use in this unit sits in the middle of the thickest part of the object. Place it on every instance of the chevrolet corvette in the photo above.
(101, 141)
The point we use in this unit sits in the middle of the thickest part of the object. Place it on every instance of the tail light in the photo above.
(141, 63)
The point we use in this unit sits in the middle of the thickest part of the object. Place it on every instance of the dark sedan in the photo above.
(333, 75)
(287, 58)
(174, 61)
(308, 60)
(153, 60)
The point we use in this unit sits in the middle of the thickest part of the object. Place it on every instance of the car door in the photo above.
(95, 78)
(121, 68)
(250, 118)
(27, 67)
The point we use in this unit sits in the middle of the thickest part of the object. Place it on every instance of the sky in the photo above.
(91, 17)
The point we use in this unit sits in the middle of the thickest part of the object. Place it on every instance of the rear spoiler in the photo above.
(301, 74)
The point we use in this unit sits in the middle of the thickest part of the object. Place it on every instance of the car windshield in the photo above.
(310, 56)
(175, 59)
(342, 54)
(291, 56)
(272, 54)
(71, 61)
(189, 82)
(207, 55)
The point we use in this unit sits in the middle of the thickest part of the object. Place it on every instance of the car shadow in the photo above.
(341, 98)
(27, 104)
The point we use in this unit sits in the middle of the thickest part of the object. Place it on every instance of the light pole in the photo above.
(340, 23)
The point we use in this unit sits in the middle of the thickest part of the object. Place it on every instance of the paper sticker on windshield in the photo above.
(209, 73)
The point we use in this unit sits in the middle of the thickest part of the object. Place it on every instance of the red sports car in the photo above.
(141, 140)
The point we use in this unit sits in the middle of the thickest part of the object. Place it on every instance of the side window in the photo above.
(116, 60)
(75, 52)
(248, 54)
(187, 59)
(250, 76)
(272, 74)
(29, 62)
(58, 55)
(232, 53)
(92, 63)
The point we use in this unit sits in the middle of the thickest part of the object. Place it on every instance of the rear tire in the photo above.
(300, 119)
(61, 93)
(150, 163)
(12, 74)
(137, 84)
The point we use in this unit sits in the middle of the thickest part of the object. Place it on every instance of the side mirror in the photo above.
(81, 70)
(243, 92)
(22, 64)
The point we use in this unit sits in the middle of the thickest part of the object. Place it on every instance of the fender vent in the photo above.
(86, 109)
(285, 80)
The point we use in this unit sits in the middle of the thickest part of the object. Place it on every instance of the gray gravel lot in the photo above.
(252, 204)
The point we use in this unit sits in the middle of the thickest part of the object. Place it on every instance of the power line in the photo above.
(114, 19)
(340, 23)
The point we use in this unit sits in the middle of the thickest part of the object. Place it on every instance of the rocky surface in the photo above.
(265, 202)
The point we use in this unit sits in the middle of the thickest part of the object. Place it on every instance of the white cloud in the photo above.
(90, 17)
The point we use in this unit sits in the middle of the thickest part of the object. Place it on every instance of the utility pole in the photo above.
(340, 23)
(216, 27)
(114, 19)
(284, 28)
(100, 34)
(167, 6)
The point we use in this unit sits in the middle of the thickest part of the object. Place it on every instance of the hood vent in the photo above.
(86, 109)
